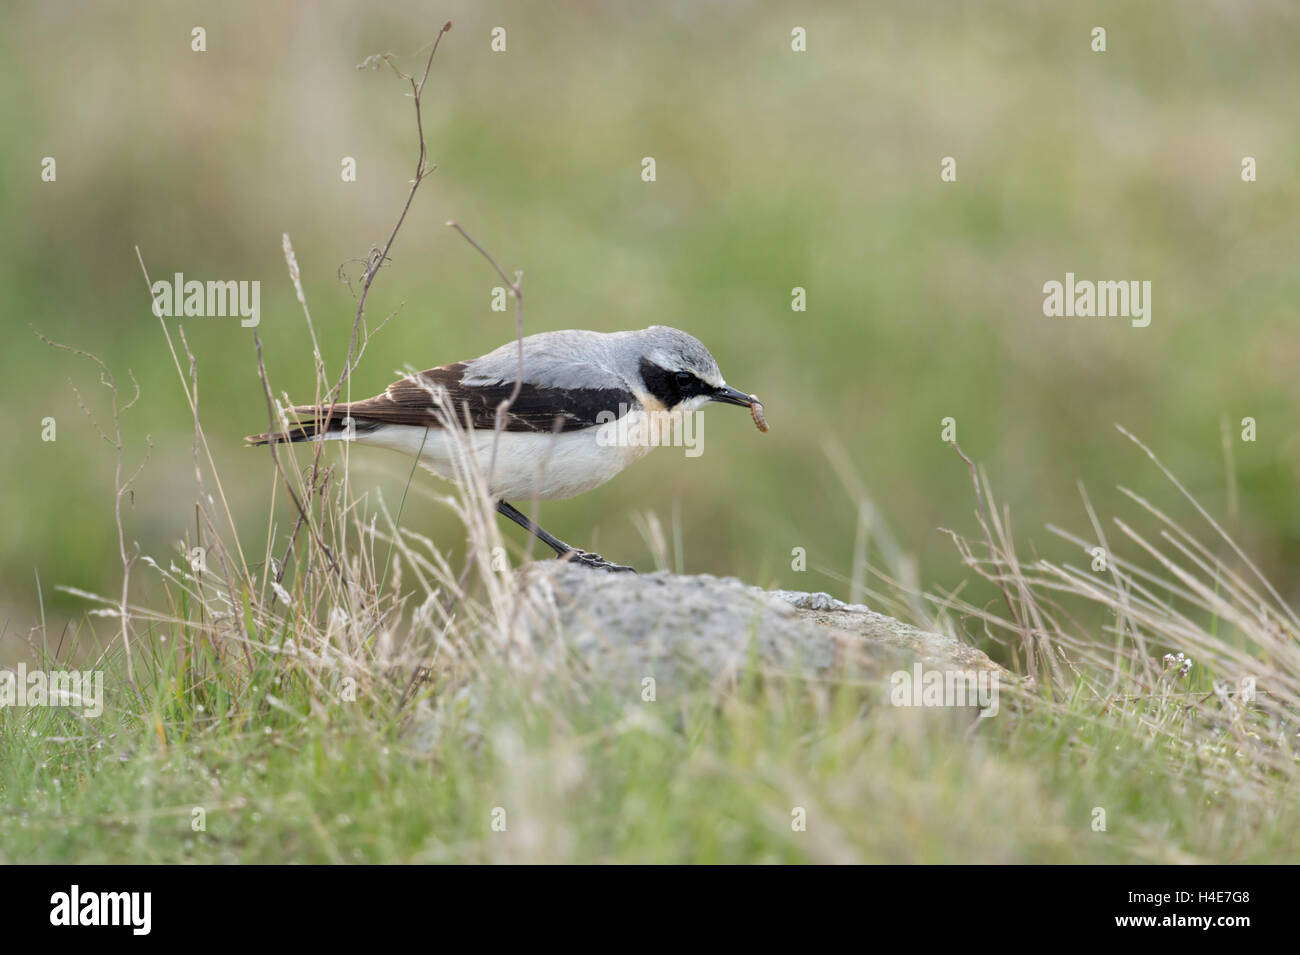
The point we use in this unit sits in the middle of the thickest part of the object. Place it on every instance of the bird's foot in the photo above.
(588, 559)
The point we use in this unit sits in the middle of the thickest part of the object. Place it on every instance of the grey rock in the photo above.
(688, 629)
(686, 632)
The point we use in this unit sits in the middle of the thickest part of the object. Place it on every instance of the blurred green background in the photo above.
(775, 169)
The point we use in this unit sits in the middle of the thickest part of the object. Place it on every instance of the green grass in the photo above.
(299, 731)
(712, 778)
(818, 171)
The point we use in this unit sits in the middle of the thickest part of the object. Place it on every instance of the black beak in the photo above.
(731, 396)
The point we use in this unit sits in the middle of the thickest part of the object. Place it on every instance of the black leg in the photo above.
(518, 517)
(561, 549)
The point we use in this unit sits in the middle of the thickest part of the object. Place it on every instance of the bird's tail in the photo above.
(307, 430)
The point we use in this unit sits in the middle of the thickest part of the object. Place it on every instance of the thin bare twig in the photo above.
(121, 487)
(373, 264)
(516, 289)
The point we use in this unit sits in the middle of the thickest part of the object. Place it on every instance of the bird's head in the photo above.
(678, 373)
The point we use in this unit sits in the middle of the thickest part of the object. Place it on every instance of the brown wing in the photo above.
(534, 409)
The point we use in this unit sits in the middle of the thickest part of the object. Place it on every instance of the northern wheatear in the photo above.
(551, 444)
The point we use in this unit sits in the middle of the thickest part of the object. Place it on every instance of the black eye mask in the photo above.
(672, 387)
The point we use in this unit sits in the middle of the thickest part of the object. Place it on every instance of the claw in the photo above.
(588, 559)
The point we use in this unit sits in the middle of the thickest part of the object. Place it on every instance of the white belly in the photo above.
(528, 465)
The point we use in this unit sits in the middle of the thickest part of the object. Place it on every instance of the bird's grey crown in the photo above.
(674, 350)
(583, 359)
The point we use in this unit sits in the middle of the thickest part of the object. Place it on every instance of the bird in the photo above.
(550, 444)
